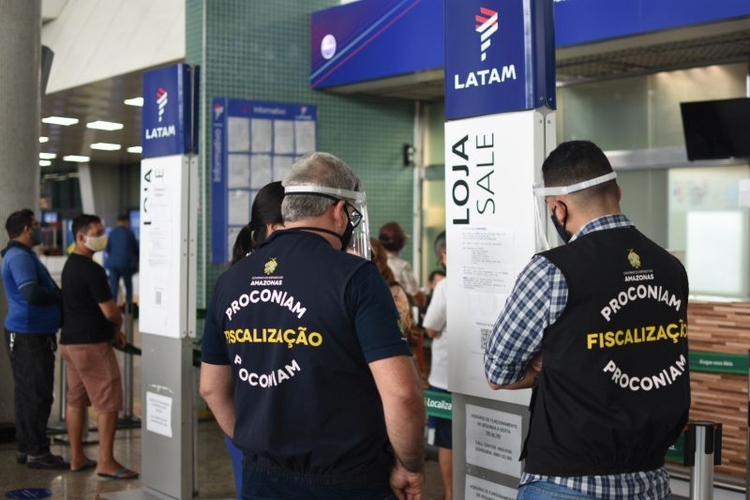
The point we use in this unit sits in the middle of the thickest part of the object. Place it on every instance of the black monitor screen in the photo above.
(716, 129)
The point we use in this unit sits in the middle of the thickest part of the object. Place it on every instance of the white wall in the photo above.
(97, 39)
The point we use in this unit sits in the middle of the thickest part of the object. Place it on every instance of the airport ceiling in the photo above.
(104, 100)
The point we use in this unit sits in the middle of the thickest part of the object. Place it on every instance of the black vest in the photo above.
(305, 398)
(614, 390)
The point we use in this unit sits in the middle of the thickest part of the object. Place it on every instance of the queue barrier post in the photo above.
(702, 452)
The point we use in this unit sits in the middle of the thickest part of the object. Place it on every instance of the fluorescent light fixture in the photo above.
(102, 125)
(60, 120)
(47, 156)
(135, 149)
(76, 158)
(135, 101)
(43, 139)
(44, 163)
(106, 146)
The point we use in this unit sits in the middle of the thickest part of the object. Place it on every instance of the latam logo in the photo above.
(486, 27)
(165, 131)
(218, 111)
(161, 101)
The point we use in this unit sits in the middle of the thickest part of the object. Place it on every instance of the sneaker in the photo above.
(20, 458)
(48, 461)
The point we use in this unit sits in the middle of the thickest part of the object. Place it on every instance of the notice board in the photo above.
(252, 143)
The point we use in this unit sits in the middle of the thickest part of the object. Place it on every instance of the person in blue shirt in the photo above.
(122, 258)
(34, 316)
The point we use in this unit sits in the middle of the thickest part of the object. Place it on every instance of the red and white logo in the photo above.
(161, 100)
(486, 26)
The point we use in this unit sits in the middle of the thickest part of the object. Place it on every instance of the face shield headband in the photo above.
(542, 192)
(356, 237)
(579, 186)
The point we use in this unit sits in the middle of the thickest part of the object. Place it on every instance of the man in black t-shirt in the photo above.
(92, 323)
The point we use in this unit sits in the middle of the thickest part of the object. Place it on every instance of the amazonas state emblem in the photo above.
(270, 266)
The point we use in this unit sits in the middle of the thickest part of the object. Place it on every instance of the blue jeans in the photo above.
(236, 455)
(126, 273)
(259, 486)
(542, 490)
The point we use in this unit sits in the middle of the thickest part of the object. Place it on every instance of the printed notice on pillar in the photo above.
(481, 489)
(493, 440)
(159, 414)
(487, 260)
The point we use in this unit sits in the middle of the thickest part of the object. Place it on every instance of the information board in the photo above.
(252, 143)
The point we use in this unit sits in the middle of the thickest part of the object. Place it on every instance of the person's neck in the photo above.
(23, 241)
(312, 226)
(83, 252)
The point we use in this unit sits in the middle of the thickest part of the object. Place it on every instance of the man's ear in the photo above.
(339, 214)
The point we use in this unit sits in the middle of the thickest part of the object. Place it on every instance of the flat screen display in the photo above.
(716, 129)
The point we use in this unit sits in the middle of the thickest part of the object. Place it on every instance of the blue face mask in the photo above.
(36, 235)
(560, 228)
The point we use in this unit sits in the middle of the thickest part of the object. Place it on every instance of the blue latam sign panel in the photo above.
(169, 111)
(372, 39)
(499, 56)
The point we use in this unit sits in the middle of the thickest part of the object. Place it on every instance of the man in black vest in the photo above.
(303, 362)
(598, 328)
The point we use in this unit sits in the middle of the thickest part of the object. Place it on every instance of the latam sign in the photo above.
(169, 111)
(499, 56)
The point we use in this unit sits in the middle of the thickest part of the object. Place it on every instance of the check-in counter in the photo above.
(719, 337)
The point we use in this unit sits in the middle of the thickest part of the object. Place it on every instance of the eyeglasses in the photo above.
(355, 217)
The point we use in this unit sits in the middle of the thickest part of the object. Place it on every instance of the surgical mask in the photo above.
(356, 236)
(96, 243)
(36, 235)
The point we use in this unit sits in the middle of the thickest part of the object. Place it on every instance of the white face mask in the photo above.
(96, 243)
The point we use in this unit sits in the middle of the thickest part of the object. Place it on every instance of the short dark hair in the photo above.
(435, 272)
(123, 218)
(82, 222)
(16, 221)
(392, 236)
(577, 161)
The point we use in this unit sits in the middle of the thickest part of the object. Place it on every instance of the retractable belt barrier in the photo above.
(702, 452)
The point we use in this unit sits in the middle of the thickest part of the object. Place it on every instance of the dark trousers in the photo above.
(32, 360)
(261, 486)
(126, 273)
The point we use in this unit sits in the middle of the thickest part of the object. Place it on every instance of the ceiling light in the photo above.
(102, 125)
(135, 101)
(44, 163)
(135, 149)
(44, 138)
(47, 156)
(76, 158)
(60, 120)
(106, 146)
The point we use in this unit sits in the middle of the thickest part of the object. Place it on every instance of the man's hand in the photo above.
(407, 485)
(120, 340)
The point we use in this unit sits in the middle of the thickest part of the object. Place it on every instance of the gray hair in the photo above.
(316, 169)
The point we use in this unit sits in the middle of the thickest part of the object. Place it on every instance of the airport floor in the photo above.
(214, 470)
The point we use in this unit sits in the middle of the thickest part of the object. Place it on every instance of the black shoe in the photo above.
(48, 461)
(20, 458)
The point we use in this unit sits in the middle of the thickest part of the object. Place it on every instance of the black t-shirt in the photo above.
(84, 287)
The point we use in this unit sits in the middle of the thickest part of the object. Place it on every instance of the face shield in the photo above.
(356, 238)
(542, 192)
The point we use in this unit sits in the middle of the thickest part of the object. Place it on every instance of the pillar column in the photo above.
(20, 67)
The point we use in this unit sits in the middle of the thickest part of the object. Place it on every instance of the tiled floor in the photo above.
(214, 470)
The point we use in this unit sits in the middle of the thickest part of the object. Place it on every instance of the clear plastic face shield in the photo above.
(358, 233)
(541, 193)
